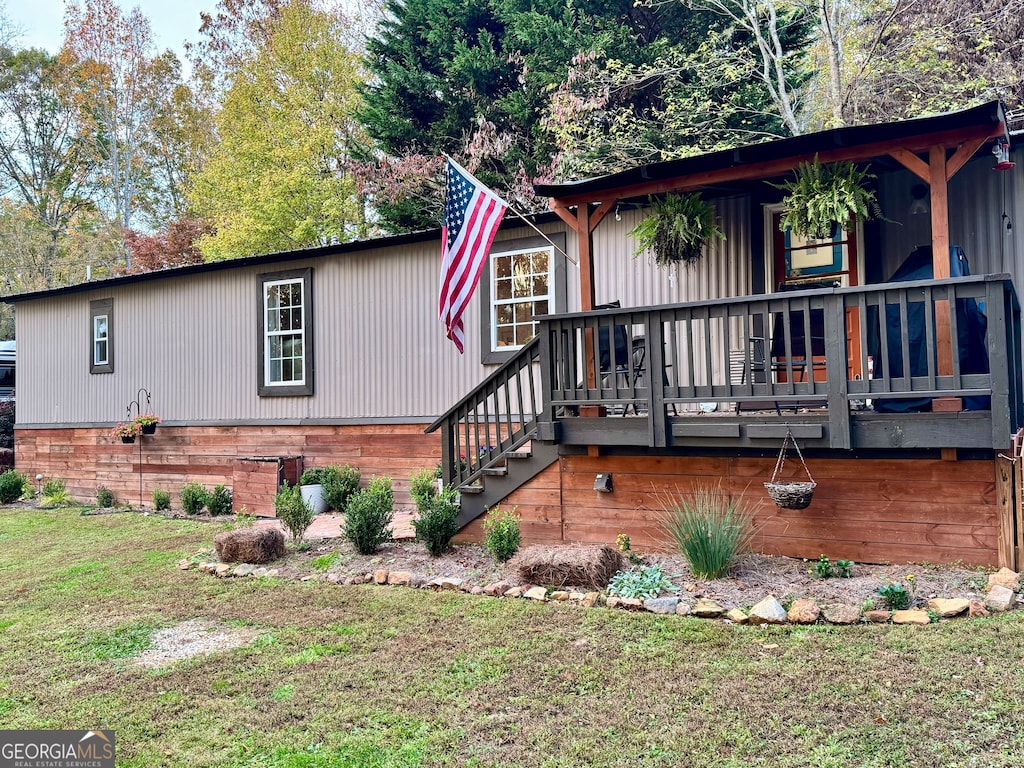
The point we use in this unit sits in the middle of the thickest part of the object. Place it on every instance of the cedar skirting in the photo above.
(866, 510)
(87, 458)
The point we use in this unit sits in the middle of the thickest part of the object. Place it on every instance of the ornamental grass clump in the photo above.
(368, 516)
(709, 527)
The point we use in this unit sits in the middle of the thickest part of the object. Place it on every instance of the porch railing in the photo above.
(823, 347)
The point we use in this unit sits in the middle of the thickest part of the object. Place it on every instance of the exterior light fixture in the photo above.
(603, 482)
(1001, 150)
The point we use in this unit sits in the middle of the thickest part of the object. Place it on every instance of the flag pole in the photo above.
(535, 229)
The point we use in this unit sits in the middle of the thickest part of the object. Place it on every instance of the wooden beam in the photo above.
(940, 256)
(1007, 539)
(769, 168)
(602, 211)
(963, 153)
(564, 214)
(912, 163)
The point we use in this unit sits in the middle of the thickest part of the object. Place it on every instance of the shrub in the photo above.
(423, 488)
(645, 581)
(314, 476)
(501, 534)
(7, 419)
(368, 516)
(193, 498)
(292, 511)
(710, 528)
(438, 521)
(104, 497)
(55, 494)
(161, 500)
(12, 486)
(339, 485)
(218, 501)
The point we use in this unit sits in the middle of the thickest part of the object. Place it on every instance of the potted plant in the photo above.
(821, 197)
(312, 489)
(677, 229)
(127, 431)
(147, 423)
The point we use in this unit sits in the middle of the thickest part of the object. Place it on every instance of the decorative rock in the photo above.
(613, 602)
(590, 599)
(999, 599)
(243, 570)
(736, 616)
(576, 596)
(368, 578)
(273, 573)
(1004, 577)
(184, 565)
(497, 588)
(768, 611)
(399, 578)
(913, 616)
(536, 593)
(308, 578)
(477, 590)
(380, 576)
(632, 603)
(707, 609)
(977, 610)
(878, 616)
(222, 571)
(683, 609)
(661, 605)
(450, 583)
(949, 607)
(208, 567)
(803, 611)
(560, 594)
(258, 572)
(514, 592)
(841, 614)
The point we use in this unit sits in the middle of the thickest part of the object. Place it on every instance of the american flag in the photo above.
(472, 215)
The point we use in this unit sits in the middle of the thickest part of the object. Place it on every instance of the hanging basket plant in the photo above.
(677, 229)
(821, 196)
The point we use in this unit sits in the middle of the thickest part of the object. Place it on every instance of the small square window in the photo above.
(101, 322)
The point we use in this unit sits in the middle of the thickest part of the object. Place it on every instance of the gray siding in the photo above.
(380, 351)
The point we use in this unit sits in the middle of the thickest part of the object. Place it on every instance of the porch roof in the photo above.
(859, 142)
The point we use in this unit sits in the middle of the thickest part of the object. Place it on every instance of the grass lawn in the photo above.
(377, 676)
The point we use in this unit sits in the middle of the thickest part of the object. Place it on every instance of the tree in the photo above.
(175, 245)
(44, 158)
(278, 179)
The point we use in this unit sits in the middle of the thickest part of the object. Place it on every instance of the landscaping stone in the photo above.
(184, 565)
(736, 616)
(999, 599)
(632, 603)
(913, 616)
(803, 611)
(450, 583)
(477, 590)
(497, 588)
(707, 609)
(258, 572)
(368, 578)
(380, 576)
(576, 597)
(661, 605)
(399, 578)
(536, 593)
(273, 573)
(514, 592)
(249, 545)
(613, 602)
(947, 607)
(223, 570)
(244, 569)
(977, 610)
(559, 594)
(332, 578)
(767, 611)
(207, 567)
(878, 616)
(683, 609)
(1004, 577)
(590, 599)
(841, 613)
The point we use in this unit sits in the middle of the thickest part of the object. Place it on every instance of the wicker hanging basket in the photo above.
(790, 494)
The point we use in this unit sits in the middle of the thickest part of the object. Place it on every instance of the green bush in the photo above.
(292, 511)
(218, 501)
(645, 581)
(193, 498)
(161, 500)
(438, 521)
(709, 527)
(368, 516)
(501, 534)
(314, 476)
(339, 485)
(55, 494)
(104, 497)
(7, 419)
(423, 488)
(12, 486)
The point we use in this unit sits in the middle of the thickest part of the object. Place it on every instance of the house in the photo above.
(334, 354)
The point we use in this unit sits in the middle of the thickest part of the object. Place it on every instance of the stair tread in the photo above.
(497, 471)
(518, 454)
(471, 489)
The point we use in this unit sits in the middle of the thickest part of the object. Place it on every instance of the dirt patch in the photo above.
(754, 576)
(192, 638)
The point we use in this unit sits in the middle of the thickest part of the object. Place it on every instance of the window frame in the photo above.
(264, 387)
(557, 289)
(101, 308)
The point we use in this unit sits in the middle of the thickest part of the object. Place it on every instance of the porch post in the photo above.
(940, 254)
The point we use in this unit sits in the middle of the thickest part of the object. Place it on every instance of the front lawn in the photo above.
(388, 676)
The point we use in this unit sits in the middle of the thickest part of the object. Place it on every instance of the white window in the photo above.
(521, 288)
(101, 321)
(100, 340)
(286, 364)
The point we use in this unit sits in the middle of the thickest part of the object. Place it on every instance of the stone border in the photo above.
(1004, 587)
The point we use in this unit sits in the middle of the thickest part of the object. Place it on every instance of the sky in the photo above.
(172, 21)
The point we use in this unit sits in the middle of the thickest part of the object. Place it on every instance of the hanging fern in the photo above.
(820, 196)
(677, 229)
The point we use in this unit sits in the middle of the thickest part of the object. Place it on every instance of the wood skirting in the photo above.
(88, 457)
(866, 510)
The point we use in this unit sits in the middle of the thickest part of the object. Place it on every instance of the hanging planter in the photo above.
(677, 229)
(821, 197)
(127, 431)
(147, 423)
(790, 494)
(128, 439)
